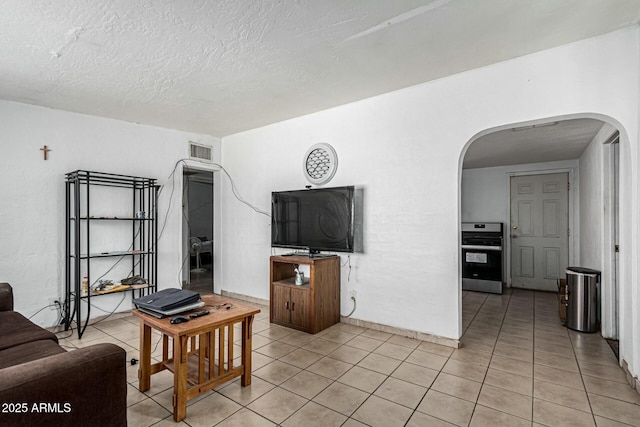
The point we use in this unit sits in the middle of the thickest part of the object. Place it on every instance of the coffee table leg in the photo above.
(144, 372)
(180, 378)
(245, 380)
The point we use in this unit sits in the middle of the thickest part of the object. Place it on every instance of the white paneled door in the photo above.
(539, 230)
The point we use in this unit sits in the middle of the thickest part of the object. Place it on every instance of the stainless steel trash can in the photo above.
(583, 299)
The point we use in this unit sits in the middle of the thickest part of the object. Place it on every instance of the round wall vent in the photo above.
(320, 163)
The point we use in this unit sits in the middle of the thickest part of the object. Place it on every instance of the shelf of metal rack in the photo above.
(141, 196)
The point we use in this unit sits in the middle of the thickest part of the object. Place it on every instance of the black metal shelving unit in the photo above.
(81, 222)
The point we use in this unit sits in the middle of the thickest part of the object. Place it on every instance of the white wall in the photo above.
(595, 248)
(593, 189)
(630, 206)
(32, 194)
(405, 149)
(591, 205)
(485, 198)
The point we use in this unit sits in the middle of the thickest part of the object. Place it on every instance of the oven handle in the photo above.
(482, 248)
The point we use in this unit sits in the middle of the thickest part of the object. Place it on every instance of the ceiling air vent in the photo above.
(200, 152)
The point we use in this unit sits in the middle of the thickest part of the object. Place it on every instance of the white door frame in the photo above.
(573, 218)
(610, 237)
(200, 166)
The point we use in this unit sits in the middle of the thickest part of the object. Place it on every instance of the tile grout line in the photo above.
(333, 381)
(354, 365)
(440, 370)
(584, 385)
(304, 369)
(504, 314)
(533, 360)
(539, 319)
(370, 394)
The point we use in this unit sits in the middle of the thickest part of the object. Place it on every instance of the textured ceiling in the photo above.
(220, 67)
(544, 142)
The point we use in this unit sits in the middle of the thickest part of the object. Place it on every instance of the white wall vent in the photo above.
(320, 163)
(200, 152)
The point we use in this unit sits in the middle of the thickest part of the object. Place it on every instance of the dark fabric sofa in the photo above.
(42, 384)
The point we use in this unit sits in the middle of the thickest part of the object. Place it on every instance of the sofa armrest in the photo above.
(87, 386)
(6, 297)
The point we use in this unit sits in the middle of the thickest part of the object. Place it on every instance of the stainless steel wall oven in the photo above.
(482, 257)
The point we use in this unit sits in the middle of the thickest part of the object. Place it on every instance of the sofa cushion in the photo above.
(89, 385)
(6, 297)
(15, 329)
(29, 351)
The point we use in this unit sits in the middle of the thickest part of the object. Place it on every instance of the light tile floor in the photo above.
(518, 366)
(202, 281)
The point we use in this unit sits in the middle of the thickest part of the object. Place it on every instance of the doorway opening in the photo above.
(197, 230)
(567, 145)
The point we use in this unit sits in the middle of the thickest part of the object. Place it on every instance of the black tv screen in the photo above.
(318, 219)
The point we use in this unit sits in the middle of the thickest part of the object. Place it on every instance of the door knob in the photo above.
(515, 227)
(514, 236)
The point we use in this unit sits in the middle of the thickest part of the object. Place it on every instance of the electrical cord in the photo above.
(61, 320)
(173, 187)
(67, 309)
(354, 307)
(46, 306)
(184, 260)
(92, 286)
(65, 337)
(68, 319)
(60, 317)
(135, 361)
(172, 176)
(234, 189)
(109, 314)
(156, 346)
(348, 262)
(117, 262)
(235, 192)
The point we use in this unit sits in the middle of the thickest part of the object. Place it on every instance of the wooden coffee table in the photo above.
(202, 354)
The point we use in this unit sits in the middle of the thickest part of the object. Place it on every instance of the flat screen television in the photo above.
(316, 220)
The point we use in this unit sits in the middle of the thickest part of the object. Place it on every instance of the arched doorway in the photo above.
(584, 147)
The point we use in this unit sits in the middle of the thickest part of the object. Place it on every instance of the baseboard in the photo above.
(435, 339)
(92, 321)
(364, 324)
(246, 298)
(634, 382)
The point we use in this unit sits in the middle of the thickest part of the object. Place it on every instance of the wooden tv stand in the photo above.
(311, 307)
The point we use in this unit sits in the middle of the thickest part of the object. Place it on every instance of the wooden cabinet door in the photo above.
(301, 308)
(280, 305)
